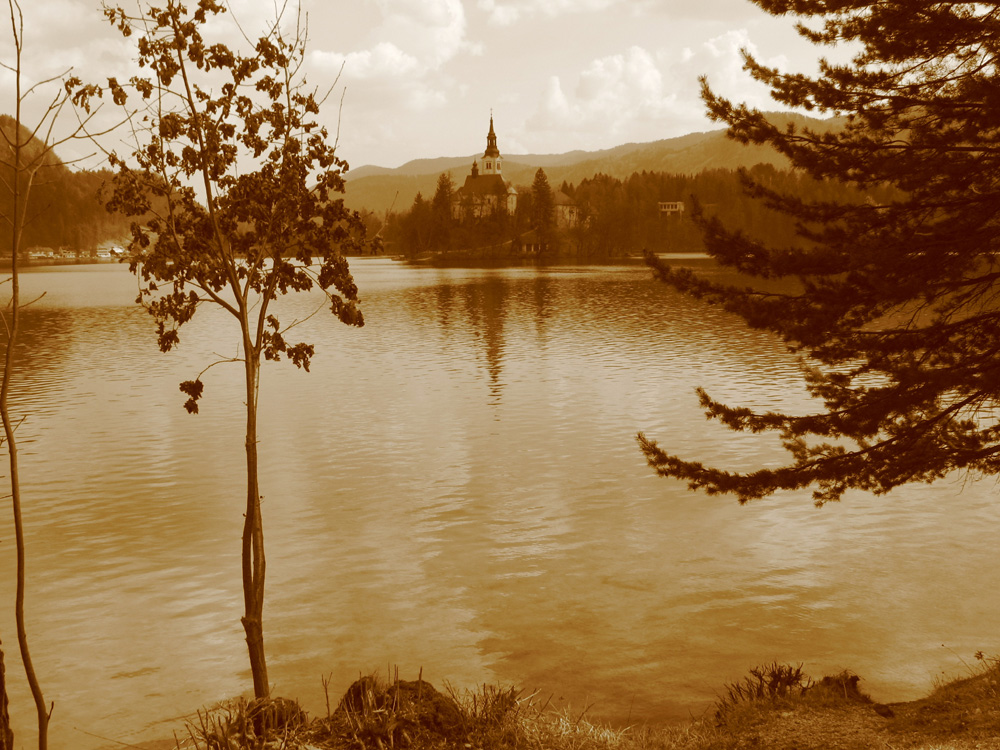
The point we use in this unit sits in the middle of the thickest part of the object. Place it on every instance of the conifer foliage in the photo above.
(897, 311)
(542, 207)
(234, 186)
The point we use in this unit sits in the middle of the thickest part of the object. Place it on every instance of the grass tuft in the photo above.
(836, 689)
(769, 682)
(240, 724)
(492, 715)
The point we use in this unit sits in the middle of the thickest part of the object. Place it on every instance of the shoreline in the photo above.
(775, 706)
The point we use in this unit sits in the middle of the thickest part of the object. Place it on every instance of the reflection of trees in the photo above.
(483, 306)
(471, 312)
(486, 304)
(444, 299)
(481, 314)
(543, 289)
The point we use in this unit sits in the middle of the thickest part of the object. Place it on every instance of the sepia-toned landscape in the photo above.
(499, 374)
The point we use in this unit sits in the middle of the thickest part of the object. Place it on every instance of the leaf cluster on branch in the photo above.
(237, 183)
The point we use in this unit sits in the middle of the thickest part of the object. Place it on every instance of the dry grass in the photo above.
(372, 716)
(776, 706)
(235, 725)
(967, 707)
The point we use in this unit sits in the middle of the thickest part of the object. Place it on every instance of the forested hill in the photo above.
(377, 188)
(63, 210)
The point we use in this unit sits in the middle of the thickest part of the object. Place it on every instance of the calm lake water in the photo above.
(454, 487)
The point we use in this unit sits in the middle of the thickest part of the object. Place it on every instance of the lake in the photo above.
(455, 488)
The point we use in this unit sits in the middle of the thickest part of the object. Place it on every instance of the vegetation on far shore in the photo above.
(774, 706)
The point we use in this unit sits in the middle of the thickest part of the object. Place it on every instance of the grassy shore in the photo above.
(775, 707)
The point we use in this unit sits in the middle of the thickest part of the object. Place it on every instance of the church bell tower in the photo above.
(491, 157)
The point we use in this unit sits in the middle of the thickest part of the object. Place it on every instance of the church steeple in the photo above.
(485, 190)
(491, 157)
(491, 141)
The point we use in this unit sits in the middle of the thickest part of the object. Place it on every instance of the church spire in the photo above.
(491, 142)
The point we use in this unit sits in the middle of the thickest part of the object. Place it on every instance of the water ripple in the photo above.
(454, 486)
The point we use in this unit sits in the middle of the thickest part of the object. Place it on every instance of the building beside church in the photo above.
(485, 190)
(567, 213)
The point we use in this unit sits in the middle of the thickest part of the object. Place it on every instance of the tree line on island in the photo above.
(614, 217)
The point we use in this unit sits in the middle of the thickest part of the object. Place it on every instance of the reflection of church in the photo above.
(485, 190)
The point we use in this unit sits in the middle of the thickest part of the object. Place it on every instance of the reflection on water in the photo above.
(455, 487)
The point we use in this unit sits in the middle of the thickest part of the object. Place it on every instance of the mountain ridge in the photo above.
(380, 189)
(436, 165)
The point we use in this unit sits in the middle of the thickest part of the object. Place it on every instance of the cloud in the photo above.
(385, 59)
(632, 78)
(507, 12)
(641, 95)
(60, 34)
(720, 60)
(612, 94)
(413, 38)
(400, 66)
(433, 30)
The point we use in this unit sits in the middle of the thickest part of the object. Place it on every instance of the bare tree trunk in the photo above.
(8, 427)
(253, 537)
(6, 734)
(23, 167)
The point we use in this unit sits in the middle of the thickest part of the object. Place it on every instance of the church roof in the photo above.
(485, 184)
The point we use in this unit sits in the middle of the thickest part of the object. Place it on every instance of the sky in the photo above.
(420, 78)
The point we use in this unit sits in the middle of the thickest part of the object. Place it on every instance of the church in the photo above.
(485, 190)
